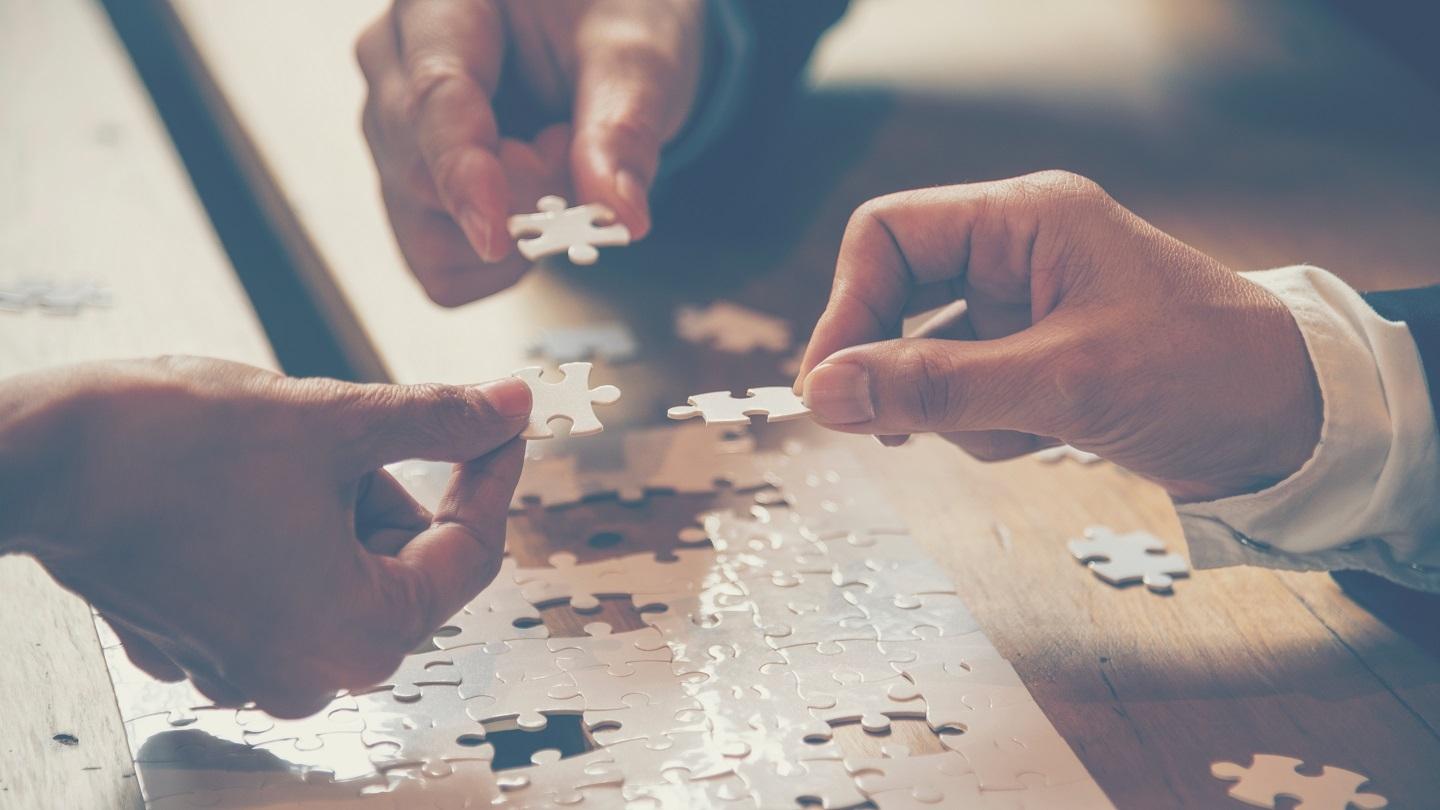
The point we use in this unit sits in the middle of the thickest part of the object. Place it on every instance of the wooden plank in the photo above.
(90, 189)
(1256, 133)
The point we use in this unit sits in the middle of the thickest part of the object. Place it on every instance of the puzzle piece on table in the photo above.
(900, 579)
(1123, 558)
(616, 652)
(775, 402)
(1018, 748)
(582, 584)
(724, 792)
(489, 628)
(732, 328)
(848, 699)
(572, 398)
(575, 231)
(421, 669)
(552, 781)
(611, 342)
(651, 760)
(503, 702)
(53, 298)
(784, 783)
(1271, 777)
(659, 712)
(341, 714)
(601, 691)
(923, 616)
(807, 610)
(431, 732)
(1054, 455)
(929, 779)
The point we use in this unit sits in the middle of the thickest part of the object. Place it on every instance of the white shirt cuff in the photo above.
(1367, 498)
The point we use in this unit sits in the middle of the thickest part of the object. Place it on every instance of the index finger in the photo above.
(452, 52)
(913, 251)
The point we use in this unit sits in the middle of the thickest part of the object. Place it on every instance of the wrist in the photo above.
(1280, 402)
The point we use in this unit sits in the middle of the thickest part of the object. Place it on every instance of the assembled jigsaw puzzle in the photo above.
(797, 607)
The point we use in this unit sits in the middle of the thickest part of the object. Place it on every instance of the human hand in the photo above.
(234, 526)
(596, 89)
(1066, 317)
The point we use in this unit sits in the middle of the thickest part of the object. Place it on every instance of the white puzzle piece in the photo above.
(576, 231)
(775, 402)
(571, 398)
(611, 342)
(1271, 777)
(732, 328)
(1133, 557)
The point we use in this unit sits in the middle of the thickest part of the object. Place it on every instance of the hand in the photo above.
(607, 82)
(234, 526)
(1066, 317)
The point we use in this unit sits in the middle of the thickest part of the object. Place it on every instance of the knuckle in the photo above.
(1057, 189)
(429, 72)
(929, 396)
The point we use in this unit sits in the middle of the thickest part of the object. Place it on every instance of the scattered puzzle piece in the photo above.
(732, 328)
(1134, 557)
(575, 231)
(571, 398)
(1271, 777)
(776, 403)
(611, 342)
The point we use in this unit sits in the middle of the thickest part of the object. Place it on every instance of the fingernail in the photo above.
(510, 397)
(839, 393)
(477, 230)
(632, 193)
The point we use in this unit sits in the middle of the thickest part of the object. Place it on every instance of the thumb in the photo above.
(917, 385)
(627, 106)
(462, 550)
(381, 424)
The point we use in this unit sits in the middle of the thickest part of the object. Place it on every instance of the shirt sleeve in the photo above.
(1369, 497)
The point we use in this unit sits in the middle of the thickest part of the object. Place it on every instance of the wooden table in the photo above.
(1264, 135)
(91, 190)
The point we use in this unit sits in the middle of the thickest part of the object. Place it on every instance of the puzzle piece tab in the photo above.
(576, 232)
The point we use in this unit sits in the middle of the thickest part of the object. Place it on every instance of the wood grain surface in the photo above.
(1263, 134)
(90, 189)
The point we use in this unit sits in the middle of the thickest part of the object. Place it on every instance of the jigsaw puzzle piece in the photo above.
(1015, 748)
(777, 783)
(725, 792)
(418, 670)
(601, 647)
(1120, 559)
(581, 584)
(732, 328)
(1270, 777)
(571, 399)
(611, 342)
(430, 733)
(944, 779)
(552, 781)
(647, 762)
(775, 402)
(575, 231)
(341, 714)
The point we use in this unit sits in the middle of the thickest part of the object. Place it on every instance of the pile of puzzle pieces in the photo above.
(765, 629)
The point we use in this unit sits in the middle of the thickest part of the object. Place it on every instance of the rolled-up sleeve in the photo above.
(1369, 497)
